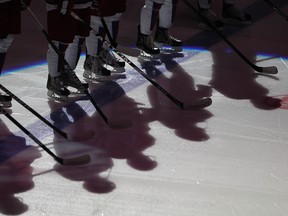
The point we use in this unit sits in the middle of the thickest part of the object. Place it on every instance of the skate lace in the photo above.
(72, 77)
(170, 39)
(59, 83)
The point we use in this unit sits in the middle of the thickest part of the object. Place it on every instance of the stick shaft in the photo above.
(21, 127)
(63, 134)
(255, 67)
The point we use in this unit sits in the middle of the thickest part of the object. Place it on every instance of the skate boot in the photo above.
(233, 16)
(94, 70)
(56, 89)
(5, 101)
(70, 79)
(108, 57)
(162, 37)
(146, 46)
(210, 17)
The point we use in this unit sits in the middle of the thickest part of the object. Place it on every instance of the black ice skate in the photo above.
(233, 16)
(210, 17)
(70, 79)
(146, 46)
(56, 89)
(108, 57)
(162, 38)
(5, 101)
(94, 70)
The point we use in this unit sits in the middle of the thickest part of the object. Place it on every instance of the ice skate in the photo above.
(210, 17)
(146, 46)
(233, 16)
(56, 89)
(108, 57)
(95, 71)
(5, 101)
(70, 79)
(163, 38)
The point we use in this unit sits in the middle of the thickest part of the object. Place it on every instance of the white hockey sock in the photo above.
(73, 51)
(55, 65)
(93, 43)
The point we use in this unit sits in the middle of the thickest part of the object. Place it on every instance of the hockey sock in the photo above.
(55, 62)
(2, 60)
(93, 43)
(73, 51)
(167, 14)
(149, 17)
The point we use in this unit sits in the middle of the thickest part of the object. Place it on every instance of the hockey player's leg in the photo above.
(148, 19)
(93, 67)
(68, 76)
(107, 55)
(56, 89)
(166, 18)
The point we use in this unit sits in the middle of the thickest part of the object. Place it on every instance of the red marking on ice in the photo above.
(284, 102)
(280, 101)
(277, 102)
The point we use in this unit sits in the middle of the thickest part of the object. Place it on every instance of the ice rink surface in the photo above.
(228, 159)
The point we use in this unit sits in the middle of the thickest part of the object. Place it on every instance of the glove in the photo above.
(25, 4)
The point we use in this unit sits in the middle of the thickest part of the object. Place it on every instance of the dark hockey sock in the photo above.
(2, 60)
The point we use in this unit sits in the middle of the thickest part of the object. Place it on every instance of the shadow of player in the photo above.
(15, 171)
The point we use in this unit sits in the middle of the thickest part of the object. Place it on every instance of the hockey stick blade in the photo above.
(76, 161)
(200, 104)
(268, 70)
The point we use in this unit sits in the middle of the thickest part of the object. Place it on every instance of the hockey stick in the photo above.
(80, 160)
(277, 9)
(62, 133)
(117, 125)
(200, 104)
(266, 70)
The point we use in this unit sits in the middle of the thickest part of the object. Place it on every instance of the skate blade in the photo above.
(168, 49)
(118, 70)
(98, 78)
(77, 92)
(56, 97)
(6, 104)
(147, 56)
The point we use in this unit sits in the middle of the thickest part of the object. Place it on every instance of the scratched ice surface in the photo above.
(227, 159)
